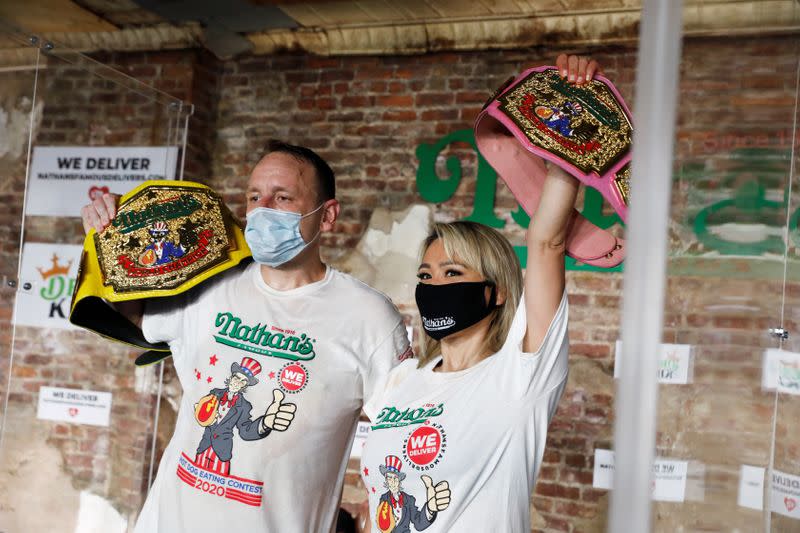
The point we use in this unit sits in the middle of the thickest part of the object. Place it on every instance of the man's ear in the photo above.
(330, 212)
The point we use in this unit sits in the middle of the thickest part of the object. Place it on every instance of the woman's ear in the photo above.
(501, 297)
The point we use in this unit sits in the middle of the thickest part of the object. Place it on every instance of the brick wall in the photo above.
(366, 116)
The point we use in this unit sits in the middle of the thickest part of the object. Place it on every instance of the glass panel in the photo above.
(79, 422)
(736, 122)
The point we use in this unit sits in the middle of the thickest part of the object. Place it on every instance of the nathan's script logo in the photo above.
(263, 339)
(391, 417)
(436, 324)
(595, 107)
(177, 207)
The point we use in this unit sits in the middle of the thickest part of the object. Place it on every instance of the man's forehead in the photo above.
(279, 170)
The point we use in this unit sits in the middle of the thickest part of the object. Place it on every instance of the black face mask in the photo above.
(446, 309)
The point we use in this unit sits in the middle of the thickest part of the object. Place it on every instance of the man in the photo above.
(317, 334)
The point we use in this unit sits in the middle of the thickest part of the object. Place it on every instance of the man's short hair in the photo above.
(326, 183)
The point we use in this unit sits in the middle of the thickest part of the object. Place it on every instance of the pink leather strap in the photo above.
(514, 153)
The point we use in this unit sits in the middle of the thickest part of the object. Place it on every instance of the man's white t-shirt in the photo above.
(325, 346)
(483, 430)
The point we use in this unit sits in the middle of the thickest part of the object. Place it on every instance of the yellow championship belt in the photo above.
(167, 237)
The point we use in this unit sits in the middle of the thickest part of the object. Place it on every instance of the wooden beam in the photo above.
(52, 16)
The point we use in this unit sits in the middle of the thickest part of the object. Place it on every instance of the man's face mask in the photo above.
(274, 236)
(447, 309)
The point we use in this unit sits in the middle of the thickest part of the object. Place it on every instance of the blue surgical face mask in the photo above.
(274, 236)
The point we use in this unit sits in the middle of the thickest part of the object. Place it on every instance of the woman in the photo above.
(458, 434)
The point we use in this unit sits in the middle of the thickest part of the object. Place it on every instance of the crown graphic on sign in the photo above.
(56, 269)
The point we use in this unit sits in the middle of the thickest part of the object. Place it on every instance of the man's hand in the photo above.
(279, 415)
(577, 69)
(438, 497)
(100, 212)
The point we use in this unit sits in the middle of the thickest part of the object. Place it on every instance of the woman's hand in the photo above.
(577, 69)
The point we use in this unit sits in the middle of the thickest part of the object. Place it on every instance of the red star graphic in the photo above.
(197, 374)
(208, 380)
(213, 360)
(373, 490)
(366, 471)
(272, 375)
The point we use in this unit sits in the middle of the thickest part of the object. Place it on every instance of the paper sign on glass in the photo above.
(751, 487)
(76, 406)
(669, 476)
(51, 270)
(65, 178)
(781, 371)
(361, 437)
(674, 365)
(785, 494)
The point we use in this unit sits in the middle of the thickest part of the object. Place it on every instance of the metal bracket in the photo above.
(779, 333)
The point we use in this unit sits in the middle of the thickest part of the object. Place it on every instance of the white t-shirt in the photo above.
(325, 346)
(483, 430)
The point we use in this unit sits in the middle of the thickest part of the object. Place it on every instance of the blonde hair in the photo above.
(486, 251)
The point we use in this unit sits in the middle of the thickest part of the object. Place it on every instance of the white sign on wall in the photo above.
(781, 371)
(751, 487)
(65, 178)
(669, 476)
(75, 406)
(361, 437)
(785, 494)
(51, 270)
(674, 364)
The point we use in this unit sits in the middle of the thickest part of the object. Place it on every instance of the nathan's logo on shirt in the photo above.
(261, 339)
(179, 206)
(391, 417)
(436, 324)
(424, 446)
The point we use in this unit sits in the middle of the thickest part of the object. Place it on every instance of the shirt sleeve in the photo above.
(164, 319)
(546, 368)
(391, 351)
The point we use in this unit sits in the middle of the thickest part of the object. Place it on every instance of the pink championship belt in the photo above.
(586, 130)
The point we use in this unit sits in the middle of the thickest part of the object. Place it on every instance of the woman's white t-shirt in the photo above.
(483, 430)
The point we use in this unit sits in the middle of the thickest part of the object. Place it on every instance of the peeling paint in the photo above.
(97, 515)
(386, 258)
(14, 123)
(31, 466)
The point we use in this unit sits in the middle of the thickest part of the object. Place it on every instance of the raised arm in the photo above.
(547, 233)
